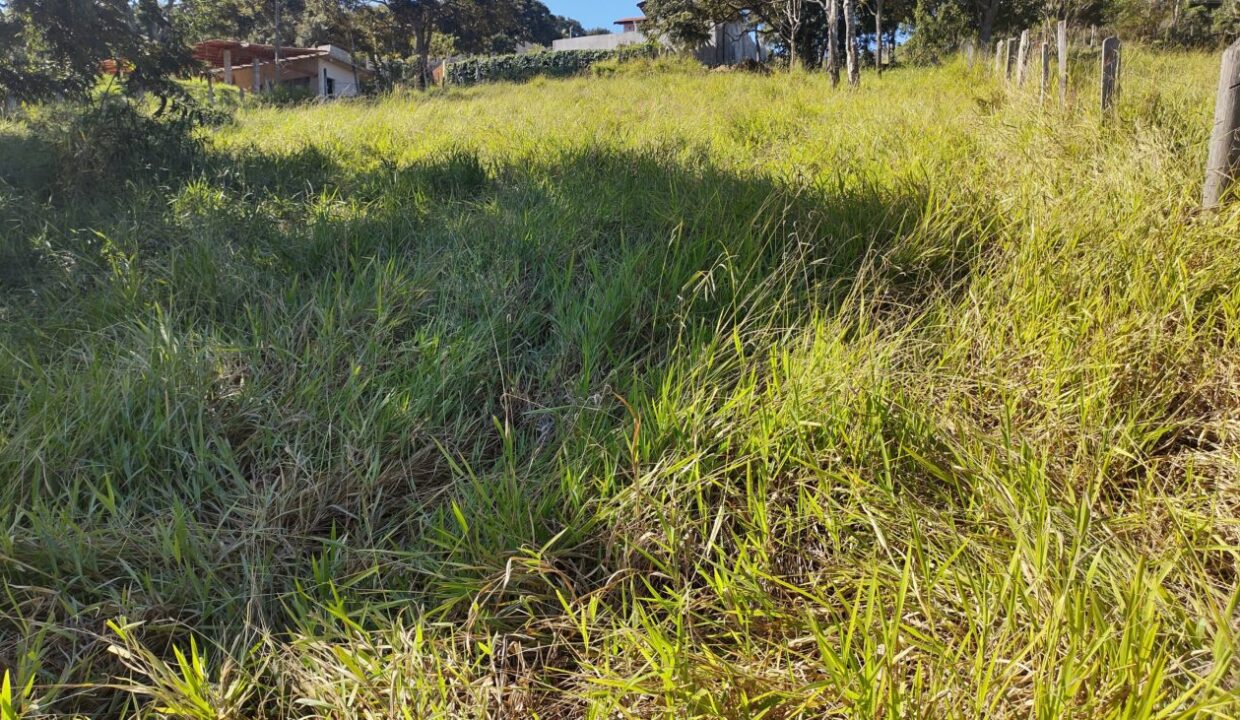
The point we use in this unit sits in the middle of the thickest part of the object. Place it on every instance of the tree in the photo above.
(940, 29)
(57, 47)
(1189, 23)
(506, 25)
(476, 26)
(878, 36)
(832, 8)
(791, 15)
(850, 42)
(689, 22)
(568, 27)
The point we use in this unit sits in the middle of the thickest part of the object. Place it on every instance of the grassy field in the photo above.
(683, 395)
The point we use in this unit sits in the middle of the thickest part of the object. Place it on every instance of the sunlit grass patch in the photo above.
(660, 395)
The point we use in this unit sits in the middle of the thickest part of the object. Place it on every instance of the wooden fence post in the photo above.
(1046, 71)
(1062, 41)
(1224, 162)
(1110, 74)
(968, 53)
(1022, 58)
(999, 53)
(1010, 52)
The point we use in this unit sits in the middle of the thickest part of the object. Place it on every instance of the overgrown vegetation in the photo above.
(688, 395)
(526, 66)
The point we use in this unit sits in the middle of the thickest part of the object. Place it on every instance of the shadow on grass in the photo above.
(409, 358)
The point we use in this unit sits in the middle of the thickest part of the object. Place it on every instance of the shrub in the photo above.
(646, 66)
(518, 68)
(289, 95)
(80, 150)
(939, 34)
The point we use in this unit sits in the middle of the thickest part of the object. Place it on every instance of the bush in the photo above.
(518, 68)
(81, 150)
(939, 34)
(283, 95)
(646, 66)
(390, 73)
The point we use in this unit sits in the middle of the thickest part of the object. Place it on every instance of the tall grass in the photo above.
(678, 395)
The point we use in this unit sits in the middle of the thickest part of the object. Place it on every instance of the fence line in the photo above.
(1223, 167)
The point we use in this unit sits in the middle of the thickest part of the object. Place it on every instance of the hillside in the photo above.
(657, 396)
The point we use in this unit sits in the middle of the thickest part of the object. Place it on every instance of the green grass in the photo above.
(681, 395)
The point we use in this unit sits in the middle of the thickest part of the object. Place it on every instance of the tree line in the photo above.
(810, 31)
(55, 47)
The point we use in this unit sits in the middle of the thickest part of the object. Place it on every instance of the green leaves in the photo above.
(10, 706)
(517, 68)
(62, 46)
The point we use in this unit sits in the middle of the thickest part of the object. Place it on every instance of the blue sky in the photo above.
(594, 13)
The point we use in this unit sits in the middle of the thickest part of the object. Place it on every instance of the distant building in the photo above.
(326, 71)
(728, 43)
(630, 24)
(609, 41)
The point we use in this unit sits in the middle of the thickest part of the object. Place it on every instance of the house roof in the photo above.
(626, 21)
(289, 67)
(211, 52)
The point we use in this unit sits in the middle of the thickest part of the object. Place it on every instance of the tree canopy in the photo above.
(57, 47)
(800, 27)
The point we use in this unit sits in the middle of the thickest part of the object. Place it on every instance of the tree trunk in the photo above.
(275, 45)
(833, 41)
(422, 48)
(357, 81)
(878, 36)
(988, 22)
(850, 42)
(792, 23)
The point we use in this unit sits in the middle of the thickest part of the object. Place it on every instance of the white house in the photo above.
(326, 71)
(729, 43)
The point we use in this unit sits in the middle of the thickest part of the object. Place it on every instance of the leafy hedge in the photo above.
(516, 68)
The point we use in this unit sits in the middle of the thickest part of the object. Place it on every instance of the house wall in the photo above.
(243, 77)
(296, 72)
(346, 85)
(730, 43)
(600, 42)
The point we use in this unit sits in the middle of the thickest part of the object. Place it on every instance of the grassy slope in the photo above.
(675, 396)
